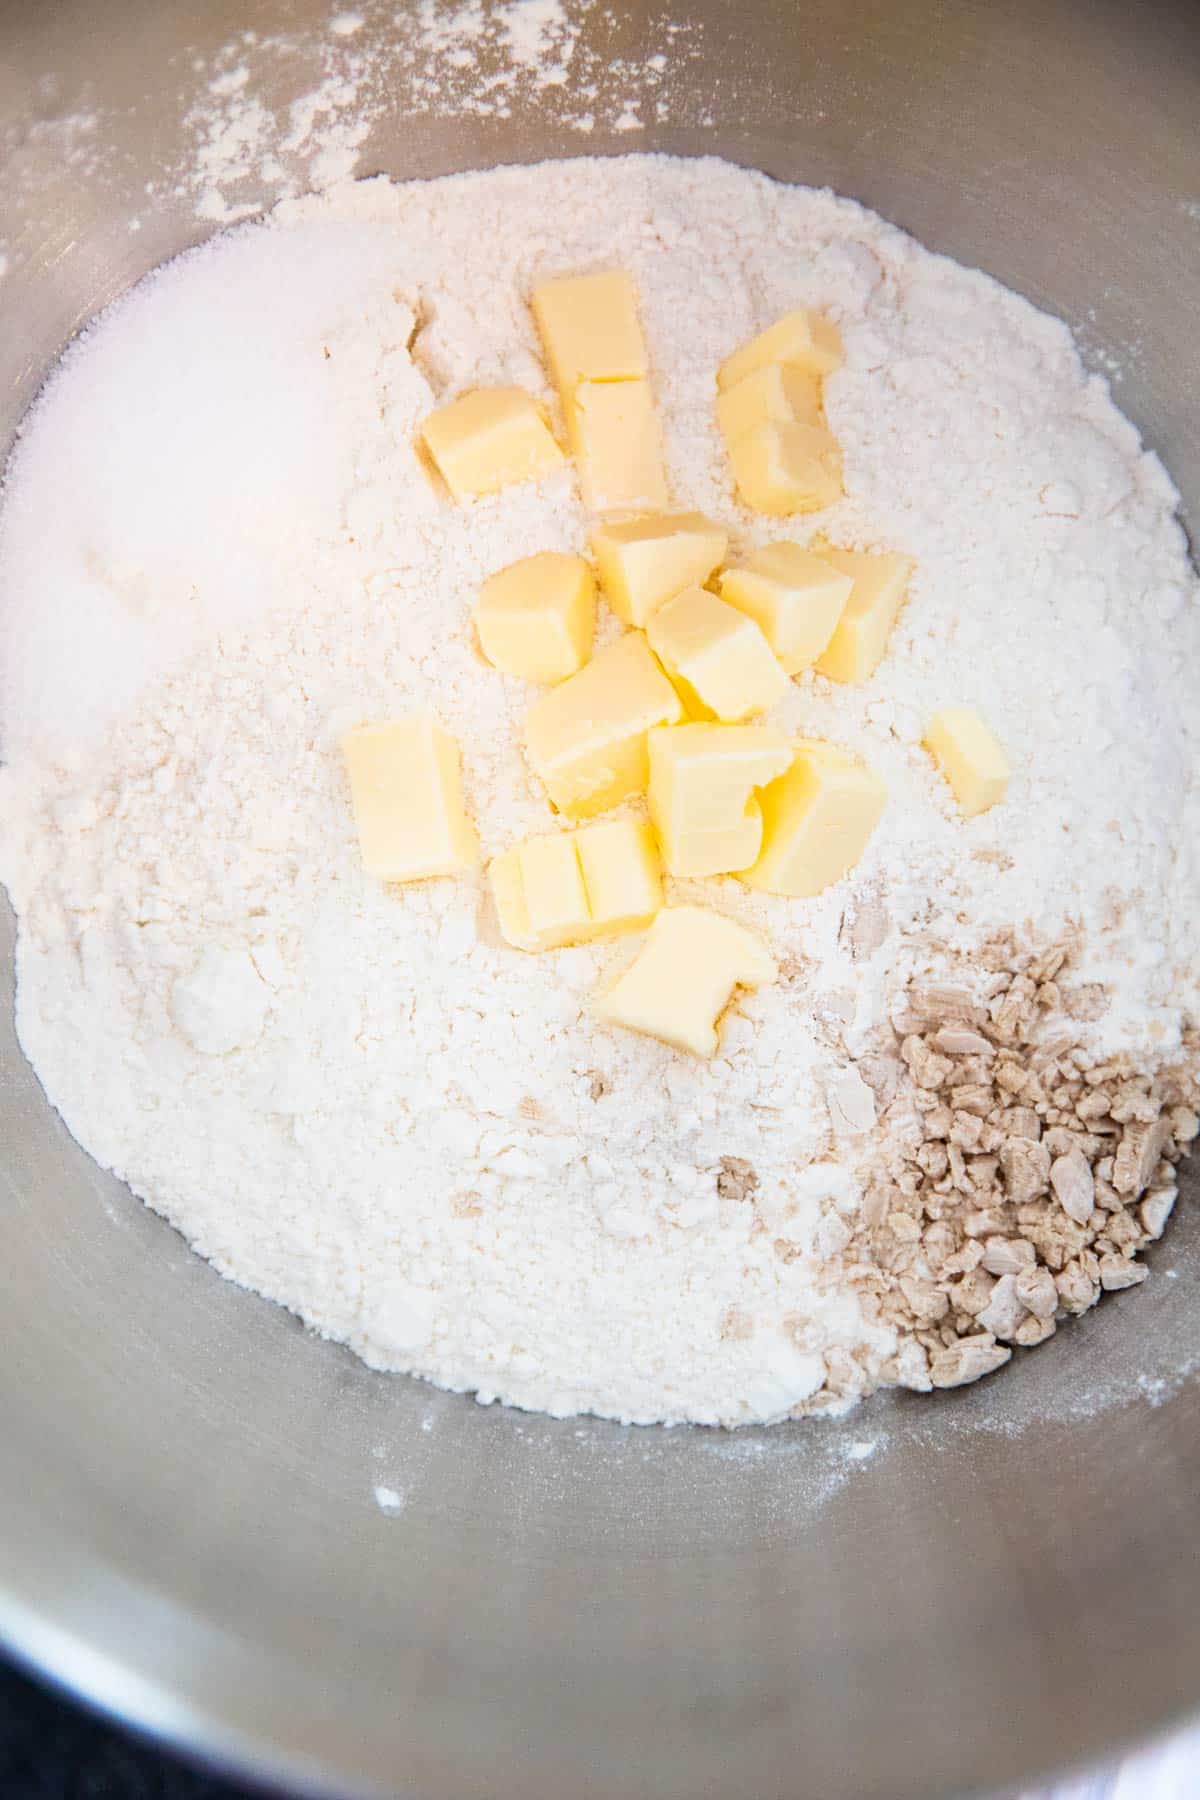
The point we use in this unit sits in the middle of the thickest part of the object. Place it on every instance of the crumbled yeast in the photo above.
(987, 1228)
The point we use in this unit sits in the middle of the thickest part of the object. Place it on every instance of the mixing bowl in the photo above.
(238, 1537)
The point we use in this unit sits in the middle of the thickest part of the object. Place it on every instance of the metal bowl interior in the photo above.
(189, 1533)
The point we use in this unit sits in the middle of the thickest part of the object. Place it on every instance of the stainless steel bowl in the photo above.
(188, 1529)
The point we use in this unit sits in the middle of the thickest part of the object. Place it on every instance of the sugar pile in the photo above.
(358, 1100)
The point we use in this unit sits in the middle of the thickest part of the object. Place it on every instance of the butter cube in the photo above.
(578, 885)
(489, 438)
(684, 976)
(702, 793)
(617, 444)
(586, 739)
(621, 873)
(795, 596)
(589, 328)
(801, 337)
(777, 394)
(717, 657)
(406, 790)
(508, 893)
(552, 884)
(644, 561)
(784, 469)
(969, 757)
(817, 819)
(860, 637)
(537, 617)
(594, 345)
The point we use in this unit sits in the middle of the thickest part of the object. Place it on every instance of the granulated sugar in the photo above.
(357, 1099)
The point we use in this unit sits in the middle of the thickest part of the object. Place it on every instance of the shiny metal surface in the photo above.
(188, 1530)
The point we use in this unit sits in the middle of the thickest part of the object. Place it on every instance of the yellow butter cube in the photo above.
(618, 445)
(537, 617)
(552, 884)
(817, 819)
(621, 873)
(406, 790)
(773, 395)
(802, 337)
(589, 328)
(578, 885)
(586, 739)
(508, 893)
(795, 596)
(717, 657)
(785, 469)
(860, 638)
(538, 890)
(970, 758)
(646, 560)
(684, 977)
(702, 793)
(489, 438)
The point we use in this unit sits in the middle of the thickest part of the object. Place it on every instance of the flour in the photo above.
(358, 1100)
(389, 1500)
(437, 60)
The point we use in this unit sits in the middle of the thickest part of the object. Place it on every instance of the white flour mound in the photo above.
(217, 551)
